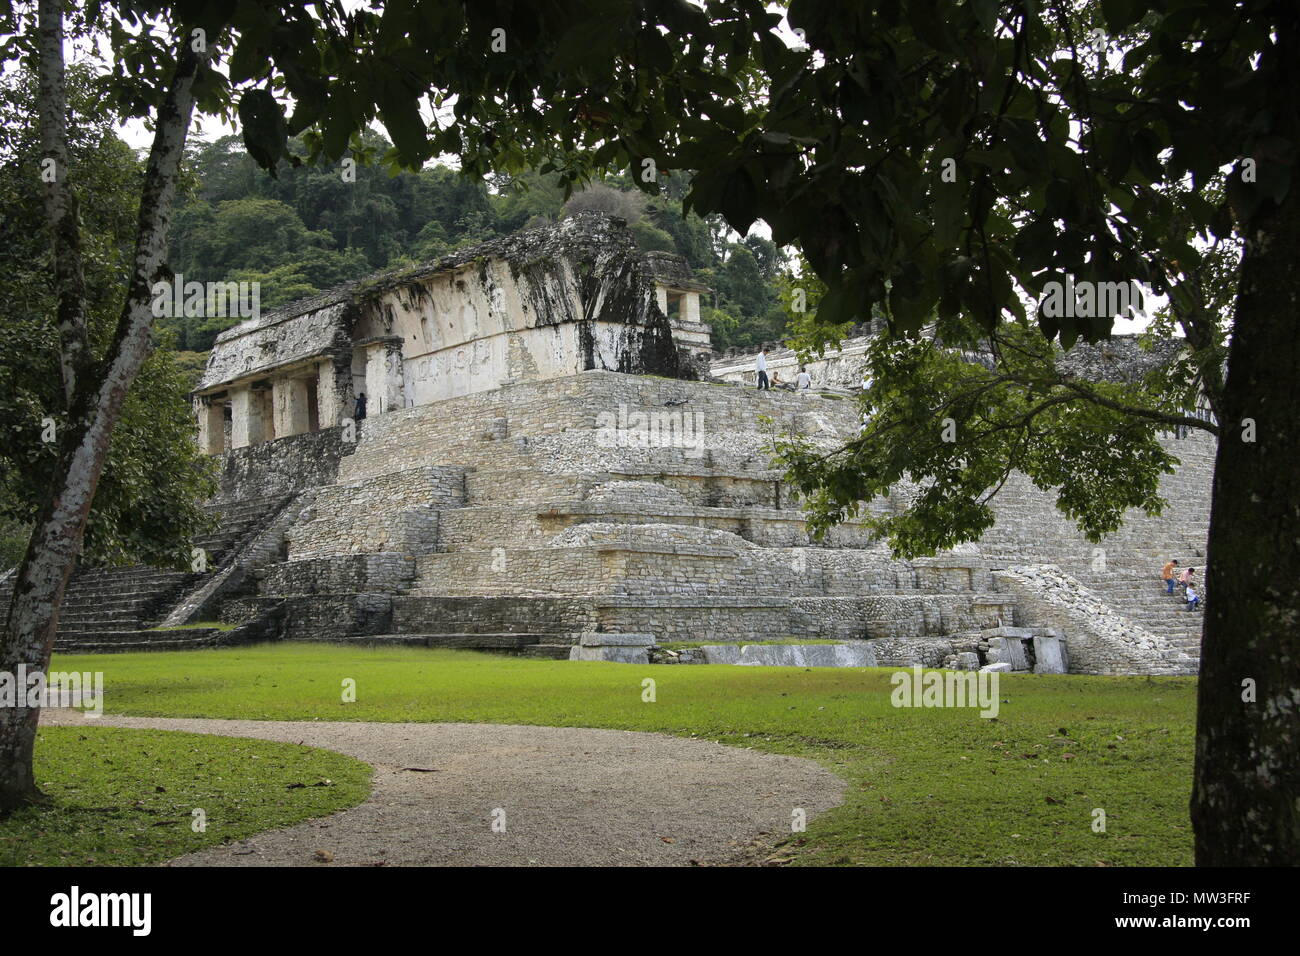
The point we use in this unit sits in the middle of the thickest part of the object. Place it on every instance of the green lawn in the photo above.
(924, 786)
(122, 797)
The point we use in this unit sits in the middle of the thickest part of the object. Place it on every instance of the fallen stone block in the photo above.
(1009, 651)
(721, 654)
(1050, 656)
(773, 655)
(621, 655)
(995, 668)
(592, 639)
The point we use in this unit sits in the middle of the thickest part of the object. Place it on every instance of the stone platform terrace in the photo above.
(519, 518)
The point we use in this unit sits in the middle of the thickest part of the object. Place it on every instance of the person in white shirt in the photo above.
(804, 381)
(1193, 599)
(761, 367)
(866, 418)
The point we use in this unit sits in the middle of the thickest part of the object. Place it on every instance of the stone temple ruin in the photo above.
(555, 464)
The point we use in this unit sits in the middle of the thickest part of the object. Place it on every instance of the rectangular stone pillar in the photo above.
(212, 427)
(334, 391)
(395, 376)
(247, 426)
(661, 296)
(265, 407)
(289, 400)
(385, 391)
(691, 307)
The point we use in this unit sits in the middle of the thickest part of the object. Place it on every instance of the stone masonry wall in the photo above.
(283, 466)
(394, 512)
(389, 572)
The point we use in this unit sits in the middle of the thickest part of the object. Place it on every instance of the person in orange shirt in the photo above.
(1167, 572)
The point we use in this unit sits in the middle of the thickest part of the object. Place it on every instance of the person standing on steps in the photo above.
(761, 366)
(1193, 600)
(1187, 578)
(1167, 572)
(359, 412)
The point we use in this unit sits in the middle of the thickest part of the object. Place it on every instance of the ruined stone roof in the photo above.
(673, 271)
(321, 323)
(528, 243)
(1120, 358)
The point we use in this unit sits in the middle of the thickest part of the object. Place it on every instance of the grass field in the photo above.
(124, 797)
(932, 786)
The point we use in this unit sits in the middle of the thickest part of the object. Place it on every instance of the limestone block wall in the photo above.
(483, 527)
(492, 615)
(395, 512)
(644, 565)
(283, 466)
(318, 617)
(767, 527)
(563, 423)
(385, 572)
(901, 616)
(724, 619)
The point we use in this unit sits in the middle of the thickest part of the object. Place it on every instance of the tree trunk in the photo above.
(1246, 795)
(51, 555)
(60, 200)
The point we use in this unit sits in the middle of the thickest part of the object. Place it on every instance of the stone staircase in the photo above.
(1142, 599)
(537, 529)
(118, 608)
(518, 520)
(114, 606)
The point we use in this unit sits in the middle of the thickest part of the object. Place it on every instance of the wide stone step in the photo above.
(91, 622)
(473, 642)
(107, 604)
(551, 652)
(87, 641)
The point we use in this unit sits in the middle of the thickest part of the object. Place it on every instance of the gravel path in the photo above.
(570, 796)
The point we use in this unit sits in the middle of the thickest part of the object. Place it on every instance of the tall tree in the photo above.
(949, 158)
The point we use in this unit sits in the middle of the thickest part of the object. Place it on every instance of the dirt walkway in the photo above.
(571, 797)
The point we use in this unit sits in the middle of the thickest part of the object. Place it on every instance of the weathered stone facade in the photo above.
(538, 305)
(555, 505)
(507, 520)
